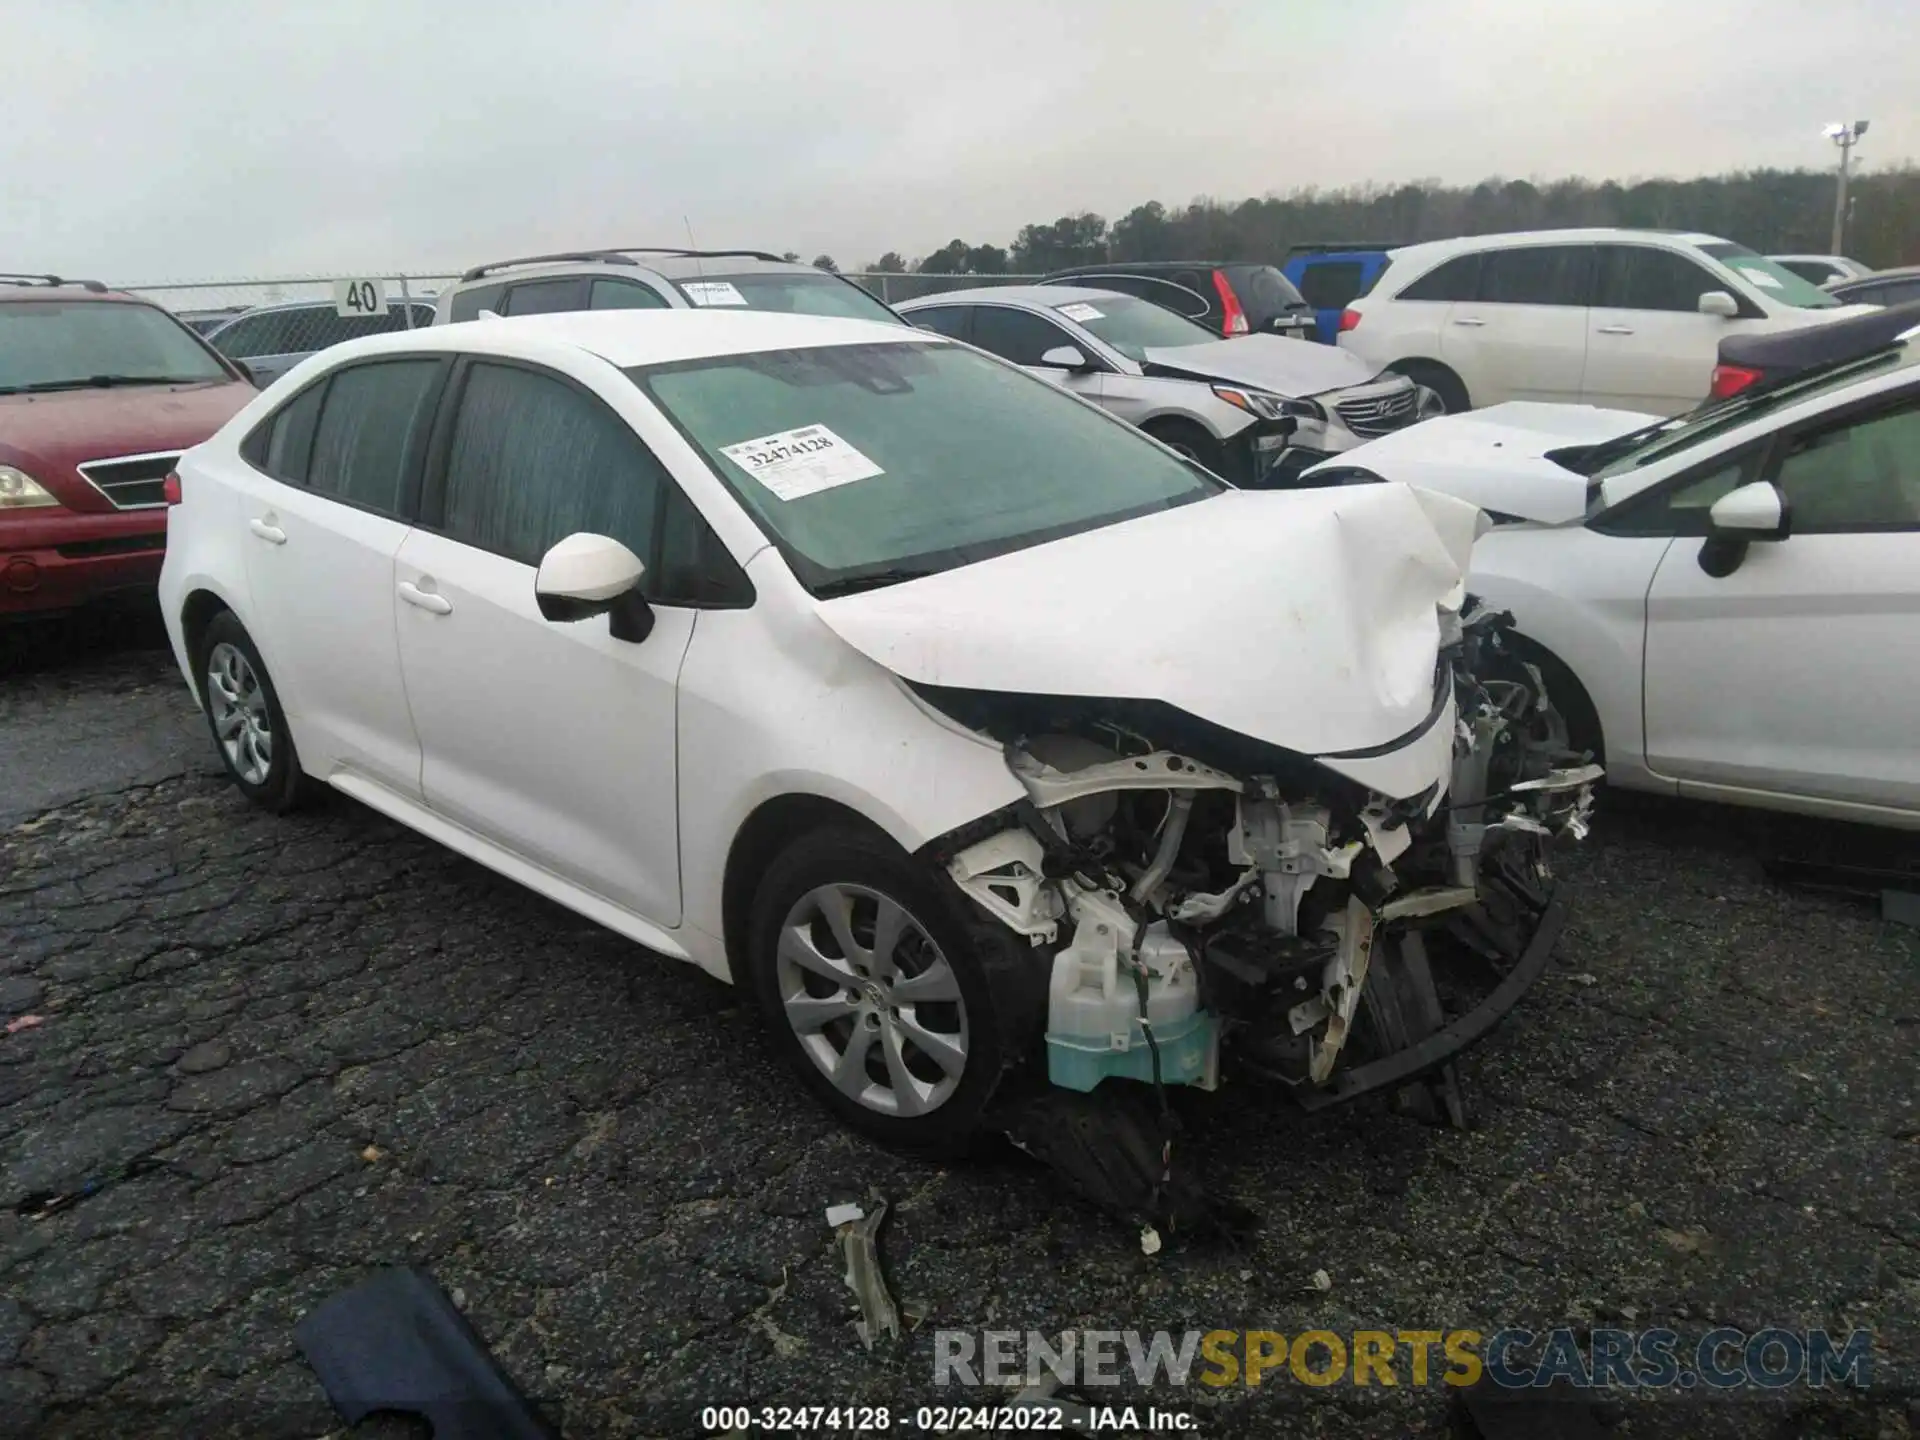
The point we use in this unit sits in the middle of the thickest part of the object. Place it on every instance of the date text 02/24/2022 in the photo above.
(939, 1419)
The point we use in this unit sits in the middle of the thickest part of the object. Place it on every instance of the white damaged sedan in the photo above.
(992, 745)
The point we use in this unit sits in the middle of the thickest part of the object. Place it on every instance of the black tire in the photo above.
(1446, 386)
(1192, 441)
(283, 785)
(991, 974)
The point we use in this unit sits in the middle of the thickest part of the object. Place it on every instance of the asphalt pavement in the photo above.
(287, 1051)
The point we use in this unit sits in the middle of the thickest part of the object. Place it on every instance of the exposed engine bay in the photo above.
(1196, 893)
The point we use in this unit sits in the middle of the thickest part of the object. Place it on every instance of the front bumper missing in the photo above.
(1427, 1055)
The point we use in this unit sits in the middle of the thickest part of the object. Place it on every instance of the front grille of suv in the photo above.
(131, 482)
(1380, 414)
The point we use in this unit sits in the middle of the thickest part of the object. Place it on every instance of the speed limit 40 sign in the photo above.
(360, 297)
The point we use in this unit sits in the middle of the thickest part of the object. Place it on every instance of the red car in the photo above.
(99, 394)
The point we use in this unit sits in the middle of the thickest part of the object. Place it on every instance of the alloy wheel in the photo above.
(241, 721)
(873, 1000)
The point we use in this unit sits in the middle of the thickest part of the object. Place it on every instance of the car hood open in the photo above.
(1294, 368)
(1497, 458)
(1306, 619)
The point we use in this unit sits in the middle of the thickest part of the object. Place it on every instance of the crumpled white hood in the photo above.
(1496, 457)
(1305, 618)
(1294, 368)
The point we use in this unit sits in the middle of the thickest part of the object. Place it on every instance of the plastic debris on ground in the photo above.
(24, 1022)
(859, 1231)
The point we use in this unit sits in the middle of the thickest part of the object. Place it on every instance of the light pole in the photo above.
(1845, 136)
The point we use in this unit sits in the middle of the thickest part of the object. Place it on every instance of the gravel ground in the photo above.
(333, 1046)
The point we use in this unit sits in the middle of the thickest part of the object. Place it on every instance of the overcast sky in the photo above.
(144, 141)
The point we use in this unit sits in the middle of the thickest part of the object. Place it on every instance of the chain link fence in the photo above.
(273, 323)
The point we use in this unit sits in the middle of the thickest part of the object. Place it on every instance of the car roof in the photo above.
(1590, 235)
(1043, 296)
(639, 337)
(1122, 267)
(54, 287)
(1899, 272)
(671, 264)
(320, 304)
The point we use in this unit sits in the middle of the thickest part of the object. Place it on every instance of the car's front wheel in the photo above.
(874, 985)
(243, 711)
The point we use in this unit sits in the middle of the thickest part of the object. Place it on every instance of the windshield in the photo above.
(1642, 447)
(61, 345)
(872, 463)
(791, 293)
(1774, 281)
(1131, 326)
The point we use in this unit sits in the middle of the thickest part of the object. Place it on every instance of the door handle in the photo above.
(1469, 320)
(270, 533)
(425, 599)
(1616, 329)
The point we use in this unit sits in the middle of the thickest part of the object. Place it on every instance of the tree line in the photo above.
(1774, 211)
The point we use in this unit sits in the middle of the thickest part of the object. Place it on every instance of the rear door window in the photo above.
(1016, 335)
(1537, 275)
(949, 320)
(624, 295)
(1455, 279)
(290, 439)
(372, 432)
(267, 333)
(468, 304)
(547, 297)
(1641, 277)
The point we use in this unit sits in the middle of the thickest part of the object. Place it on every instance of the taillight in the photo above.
(1349, 320)
(1731, 380)
(170, 487)
(1233, 320)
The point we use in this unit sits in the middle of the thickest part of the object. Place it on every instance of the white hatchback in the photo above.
(858, 666)
(1625, 318)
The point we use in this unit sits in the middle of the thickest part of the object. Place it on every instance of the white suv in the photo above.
(1631, 319)
(984, 738)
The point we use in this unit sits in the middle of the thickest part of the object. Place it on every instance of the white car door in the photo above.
(1798, 674)
(552, 740)
(1524, 334)
(326, 507)
(1650, 348)
(1023, 337)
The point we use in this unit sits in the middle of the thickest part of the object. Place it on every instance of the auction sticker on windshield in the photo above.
(713, 292)
(1080, 310)
(796, 463)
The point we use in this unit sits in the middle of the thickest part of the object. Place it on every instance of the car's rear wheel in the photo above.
(874, 986)
(243, 712)
(1443, 392)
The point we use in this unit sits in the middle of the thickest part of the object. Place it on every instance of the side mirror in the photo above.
(1067, 357)
(586, 575)
(246, 372)
(1753, 512)
(1719, 302)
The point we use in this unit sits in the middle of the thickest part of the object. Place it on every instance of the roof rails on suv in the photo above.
(8, 278)
(620, 255)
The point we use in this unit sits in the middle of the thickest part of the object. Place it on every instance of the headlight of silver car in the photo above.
(20, 491)
(1270, 407)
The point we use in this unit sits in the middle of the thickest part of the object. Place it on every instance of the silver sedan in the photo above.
(1257, 409)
